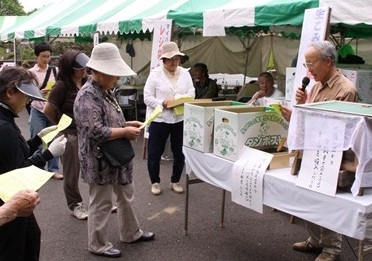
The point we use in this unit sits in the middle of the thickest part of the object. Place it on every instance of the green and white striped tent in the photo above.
(84, 17)
(7, 22)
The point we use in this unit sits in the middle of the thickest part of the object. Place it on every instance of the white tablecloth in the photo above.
(343, 213)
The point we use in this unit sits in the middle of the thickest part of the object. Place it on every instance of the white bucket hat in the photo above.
(106, 59)
(169, 50)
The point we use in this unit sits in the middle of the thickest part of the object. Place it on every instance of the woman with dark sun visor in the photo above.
(20, 238)
(72, 75)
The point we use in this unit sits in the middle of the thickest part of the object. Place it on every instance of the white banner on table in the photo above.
(319, 171)
(247, 181)
(329, 137)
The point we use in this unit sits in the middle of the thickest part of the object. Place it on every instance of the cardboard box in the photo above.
(179, 101)
(198, 123)
(250, 126)
(282, 160)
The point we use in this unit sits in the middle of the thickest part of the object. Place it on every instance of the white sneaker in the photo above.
(155, 189)
(176, 187)
(80, 212)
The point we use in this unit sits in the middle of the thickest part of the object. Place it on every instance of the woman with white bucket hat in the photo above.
(99, 118)
(165, 83)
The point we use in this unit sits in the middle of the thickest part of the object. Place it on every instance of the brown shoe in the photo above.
(324, 256)
(57, 176)
(306, 247)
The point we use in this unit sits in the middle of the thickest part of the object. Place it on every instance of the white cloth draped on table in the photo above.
(346, 131)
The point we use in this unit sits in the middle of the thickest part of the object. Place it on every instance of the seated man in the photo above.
(267, 89)
(205, 87)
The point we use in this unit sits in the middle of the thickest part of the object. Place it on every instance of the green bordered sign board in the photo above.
(354, 108)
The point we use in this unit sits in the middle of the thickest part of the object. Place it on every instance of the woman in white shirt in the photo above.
(164, 84)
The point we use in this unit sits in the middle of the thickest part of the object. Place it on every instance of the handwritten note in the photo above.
(24, 178)
(329, 137)
(319, 171)
(248, 173)
(63, 123)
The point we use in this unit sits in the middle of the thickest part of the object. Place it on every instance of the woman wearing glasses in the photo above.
(72, 74)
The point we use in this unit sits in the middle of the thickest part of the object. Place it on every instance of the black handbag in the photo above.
(117, 152)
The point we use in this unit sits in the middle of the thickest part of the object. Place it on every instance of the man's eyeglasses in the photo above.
(310, 65)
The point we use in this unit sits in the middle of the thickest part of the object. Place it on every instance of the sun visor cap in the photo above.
(31, 90)
(81, 61)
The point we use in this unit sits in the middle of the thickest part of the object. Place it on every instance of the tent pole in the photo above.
(246, 60)
(15, 51)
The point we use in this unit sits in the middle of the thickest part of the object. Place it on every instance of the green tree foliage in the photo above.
(11, 7)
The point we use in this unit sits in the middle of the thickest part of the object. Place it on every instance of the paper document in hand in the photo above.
(63, 123)
(24, 178)
(277, 108)
(152, 117)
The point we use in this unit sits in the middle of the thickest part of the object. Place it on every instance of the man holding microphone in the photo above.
(330, 85)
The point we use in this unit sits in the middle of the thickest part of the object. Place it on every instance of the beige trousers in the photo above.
(329, 240)
(99, 211)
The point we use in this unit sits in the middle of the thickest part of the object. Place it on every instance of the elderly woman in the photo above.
(20, 238)
(99, 119)
(164, 84)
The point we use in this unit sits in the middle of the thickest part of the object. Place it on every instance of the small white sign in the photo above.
(95, 38)
(319, 171)
(213, 23)
(247, 181)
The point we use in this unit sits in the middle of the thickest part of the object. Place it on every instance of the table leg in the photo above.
(186, 207)
(186, 219)
(223, 209)
(360, 250)
(363, 249)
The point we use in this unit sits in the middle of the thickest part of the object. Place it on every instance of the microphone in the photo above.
(305, 83)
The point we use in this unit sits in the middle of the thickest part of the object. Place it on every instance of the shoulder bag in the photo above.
(117, 152)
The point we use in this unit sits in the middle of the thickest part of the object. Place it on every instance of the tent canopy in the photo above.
(85, 17)
(7, 22)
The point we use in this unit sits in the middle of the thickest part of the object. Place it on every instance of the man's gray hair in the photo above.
(325, 49)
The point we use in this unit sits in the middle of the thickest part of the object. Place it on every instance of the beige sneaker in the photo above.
(57, 176)
(305, 246)
(176, 187)
(155, 189)
(324, 256)
(80, 212)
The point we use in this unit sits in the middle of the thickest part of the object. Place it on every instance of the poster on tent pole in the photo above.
(314, 28)
(162, 34)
